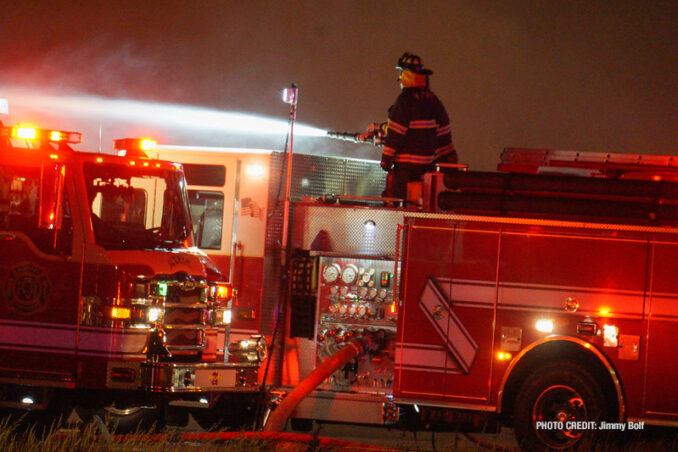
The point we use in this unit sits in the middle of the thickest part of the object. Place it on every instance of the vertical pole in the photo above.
(291, 98)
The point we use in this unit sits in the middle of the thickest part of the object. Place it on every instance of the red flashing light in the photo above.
(222, 292)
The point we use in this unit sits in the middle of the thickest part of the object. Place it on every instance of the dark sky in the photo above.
(587, 75)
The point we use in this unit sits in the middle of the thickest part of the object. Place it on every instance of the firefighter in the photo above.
(418, 133)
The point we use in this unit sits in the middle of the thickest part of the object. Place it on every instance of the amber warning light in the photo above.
(31, 133)
(134, 147)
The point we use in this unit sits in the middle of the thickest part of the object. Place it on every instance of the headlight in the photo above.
(154, 314)
(144, 315)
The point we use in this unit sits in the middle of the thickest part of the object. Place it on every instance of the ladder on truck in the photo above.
(590, 164)
(569, 185)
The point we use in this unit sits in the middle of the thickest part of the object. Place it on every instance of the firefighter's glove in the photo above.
(374, 128)
(386, 166)
(372, 131)
(365, 136)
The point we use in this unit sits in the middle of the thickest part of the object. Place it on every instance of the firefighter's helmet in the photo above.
(412, 63)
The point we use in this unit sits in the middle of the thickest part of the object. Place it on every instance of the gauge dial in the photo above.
(345, 291)
(343, 308)
(382, 293)
(362, 310)
(372, 293)
(366, 278)
(362, 292)
(349, 274)
(331, 273)
(334, 290)
(352, 309)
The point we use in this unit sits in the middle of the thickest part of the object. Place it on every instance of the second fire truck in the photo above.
(542, 296)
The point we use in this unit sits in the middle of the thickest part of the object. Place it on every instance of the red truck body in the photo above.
(542, 293)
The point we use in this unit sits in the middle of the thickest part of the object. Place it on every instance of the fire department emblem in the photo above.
(26, 289)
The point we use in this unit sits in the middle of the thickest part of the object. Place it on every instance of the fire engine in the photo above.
(541, 296)
(106, 304)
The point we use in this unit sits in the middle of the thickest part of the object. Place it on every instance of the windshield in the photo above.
(137, 207)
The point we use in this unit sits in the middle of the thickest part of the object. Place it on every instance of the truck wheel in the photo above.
(551, 400)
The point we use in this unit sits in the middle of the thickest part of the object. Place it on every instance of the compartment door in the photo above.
(445, 330)
(661, 392)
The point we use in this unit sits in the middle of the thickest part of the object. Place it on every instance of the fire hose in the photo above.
(352, 349)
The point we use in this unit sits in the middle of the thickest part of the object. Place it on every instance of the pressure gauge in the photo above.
(362, 292)
(352, 310)
(334, 290)
(366, 278)
(331, 273)
(334, 307)
(345, 291)
(349, 274)
(382, 293)
(372, 293)
(362, 310)
(343, 308)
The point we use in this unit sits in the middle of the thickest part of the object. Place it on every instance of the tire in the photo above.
(555, 395)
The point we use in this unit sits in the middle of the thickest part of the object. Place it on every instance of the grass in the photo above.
(15, 437)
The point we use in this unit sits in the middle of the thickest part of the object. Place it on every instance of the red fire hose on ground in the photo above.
(277, 419)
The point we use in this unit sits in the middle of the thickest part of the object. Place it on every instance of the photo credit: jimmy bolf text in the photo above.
(588, 425)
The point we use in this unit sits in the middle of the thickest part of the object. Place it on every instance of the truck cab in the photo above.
(106, 304)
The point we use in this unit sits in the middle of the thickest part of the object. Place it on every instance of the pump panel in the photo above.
(355, 298)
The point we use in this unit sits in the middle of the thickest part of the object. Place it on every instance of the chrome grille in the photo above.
(185, 301)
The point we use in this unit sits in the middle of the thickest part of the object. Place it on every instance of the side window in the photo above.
(207, 206)
(207, 211)
(19, 194)
(205, 175)
(20, 206)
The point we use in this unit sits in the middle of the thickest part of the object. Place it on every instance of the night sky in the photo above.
(586, 75)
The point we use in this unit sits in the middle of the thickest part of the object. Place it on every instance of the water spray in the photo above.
(159, 114)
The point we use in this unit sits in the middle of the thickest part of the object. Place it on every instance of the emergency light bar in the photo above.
(134, 147)
(31, 133)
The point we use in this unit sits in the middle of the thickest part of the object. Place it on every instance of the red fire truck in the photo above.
(541, 296)
(106, 304)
